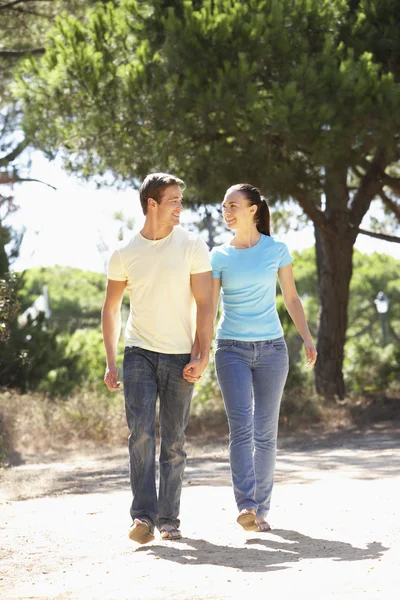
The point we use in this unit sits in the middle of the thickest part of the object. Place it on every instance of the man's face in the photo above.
(170, 206)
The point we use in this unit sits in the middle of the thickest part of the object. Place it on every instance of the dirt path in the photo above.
(335, 518)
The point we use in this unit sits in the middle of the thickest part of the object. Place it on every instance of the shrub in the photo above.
(370, 367)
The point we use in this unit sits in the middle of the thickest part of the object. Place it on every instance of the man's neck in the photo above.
(155, 231)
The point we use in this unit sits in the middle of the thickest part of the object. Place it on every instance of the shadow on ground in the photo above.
(279, 550)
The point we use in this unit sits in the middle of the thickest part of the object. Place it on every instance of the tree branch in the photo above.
(370, 186)
(390, 204)
(358, 172)
(312, 211)
(8, 179)
(10, 4)
(19, 53)
(392, 182)
(6, 160)
(380, 236)
(25, 11)
(362, 331)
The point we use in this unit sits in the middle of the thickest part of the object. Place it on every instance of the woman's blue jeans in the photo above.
(252, 376)
(146, 376)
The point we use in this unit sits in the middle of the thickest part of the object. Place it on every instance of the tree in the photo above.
(22, 26)
(300, 97)
(59, 354)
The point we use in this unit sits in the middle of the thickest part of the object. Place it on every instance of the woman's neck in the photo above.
(246, 238)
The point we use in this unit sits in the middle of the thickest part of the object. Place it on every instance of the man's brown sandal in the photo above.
(140, 532)
(170, 532)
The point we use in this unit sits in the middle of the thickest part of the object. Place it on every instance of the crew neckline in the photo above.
(246, 249)
(145, 239)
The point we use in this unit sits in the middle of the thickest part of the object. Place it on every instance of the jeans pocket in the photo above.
(279, 345)
(181, 359)
(130, 350)
(224, 344)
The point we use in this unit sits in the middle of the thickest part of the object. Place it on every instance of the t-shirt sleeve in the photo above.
(200, 258)
(115, 268)
(285, 258)
(215, 263)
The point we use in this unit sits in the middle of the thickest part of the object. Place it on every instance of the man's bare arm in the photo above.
(201, 284)
(111, 328)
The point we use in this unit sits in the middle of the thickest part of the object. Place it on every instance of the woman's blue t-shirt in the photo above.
(248, 289)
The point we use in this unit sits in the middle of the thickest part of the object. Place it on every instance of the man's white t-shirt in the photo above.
(162, 313)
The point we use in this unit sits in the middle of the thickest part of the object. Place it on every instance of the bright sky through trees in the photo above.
(69, 225)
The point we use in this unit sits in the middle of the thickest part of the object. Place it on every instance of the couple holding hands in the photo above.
(174, 285)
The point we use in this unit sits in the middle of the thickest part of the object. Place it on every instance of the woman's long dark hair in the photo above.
(252, 194)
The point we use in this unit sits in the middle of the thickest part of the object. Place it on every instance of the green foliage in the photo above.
(82, 366)
(373, 273)
(269, 89)
(29, 354)
(301, 98)
(8, 305)
(75, 296)
(62, 354)
(367, 365)
(370, 368)
(69, 354)
(207, 391)
(42, 355)
(22, 26)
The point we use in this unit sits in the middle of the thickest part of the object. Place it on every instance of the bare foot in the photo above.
(262, 524)
(140, 532)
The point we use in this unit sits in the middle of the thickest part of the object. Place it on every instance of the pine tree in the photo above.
(299, 97)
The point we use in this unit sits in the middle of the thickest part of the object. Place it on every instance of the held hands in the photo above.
(311, 353)
(193, 371)
(110, 379)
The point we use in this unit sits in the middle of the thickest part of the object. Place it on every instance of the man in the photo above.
(167, 273)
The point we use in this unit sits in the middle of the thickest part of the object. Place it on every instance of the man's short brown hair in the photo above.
(153, 186)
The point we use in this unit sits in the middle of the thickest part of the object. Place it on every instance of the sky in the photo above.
(66, 226)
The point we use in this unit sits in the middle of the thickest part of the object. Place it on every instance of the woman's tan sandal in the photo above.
(263, 526)
(247, 519)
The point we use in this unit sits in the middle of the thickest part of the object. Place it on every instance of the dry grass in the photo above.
(32, 423)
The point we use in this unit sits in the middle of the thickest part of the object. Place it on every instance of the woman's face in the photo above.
(237, 211)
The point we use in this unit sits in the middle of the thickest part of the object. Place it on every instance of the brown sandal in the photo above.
(263, 526)
(170, 532)
(247, 519)
(140, 532)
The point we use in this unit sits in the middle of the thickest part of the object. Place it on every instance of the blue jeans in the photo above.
(146, 376)
(252, 376)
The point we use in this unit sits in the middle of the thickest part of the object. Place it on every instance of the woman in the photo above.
(251, 357)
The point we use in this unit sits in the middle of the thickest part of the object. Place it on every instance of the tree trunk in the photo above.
(4, 264)
(335, 236)
(334, 267)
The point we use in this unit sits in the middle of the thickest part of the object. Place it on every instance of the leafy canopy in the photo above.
(278, 91)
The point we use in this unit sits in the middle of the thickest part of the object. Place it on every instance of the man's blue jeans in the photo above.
(146, 376)
(252, 376)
